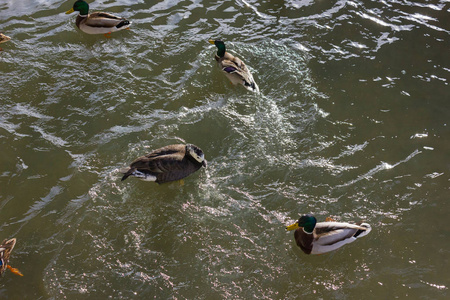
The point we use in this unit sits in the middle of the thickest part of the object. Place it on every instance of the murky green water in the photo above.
(352, 122)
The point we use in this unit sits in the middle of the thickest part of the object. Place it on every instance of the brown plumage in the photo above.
(101, 20)
(233, 67)
(303, 240)
(166, 164)
(5, 251)
(3, 39)
(97, 22)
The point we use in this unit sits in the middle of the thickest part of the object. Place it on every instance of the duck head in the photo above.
(196, 153)
(308, 222)
(220, 47)
(81, 6)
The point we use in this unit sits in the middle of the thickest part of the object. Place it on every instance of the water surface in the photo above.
(351, 122)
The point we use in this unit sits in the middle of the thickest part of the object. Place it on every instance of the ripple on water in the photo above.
(351, 95)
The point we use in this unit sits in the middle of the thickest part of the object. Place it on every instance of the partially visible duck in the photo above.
(6, 248)
(97, 22)
(169, 163)
(3, 39)
(318, 238)
(234, 68)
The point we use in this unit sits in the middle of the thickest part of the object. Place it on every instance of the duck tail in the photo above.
(255, 87)
(363, 232)
(251, 86)
(123, 23)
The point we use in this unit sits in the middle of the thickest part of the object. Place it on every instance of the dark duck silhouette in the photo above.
(170, 163)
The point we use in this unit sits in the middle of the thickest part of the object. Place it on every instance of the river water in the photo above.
(352, 122)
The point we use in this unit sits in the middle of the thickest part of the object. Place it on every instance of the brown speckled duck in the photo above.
(169, 163)
(234, 68)
(6, 248)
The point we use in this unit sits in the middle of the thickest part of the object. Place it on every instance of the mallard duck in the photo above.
(97, 22)
(166, 164)
(234, 68)
(318, 238)
(6, 248)
(3, 38)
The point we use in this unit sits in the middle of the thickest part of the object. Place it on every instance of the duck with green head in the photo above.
(97, 22)
(234, 68)
(318, 238)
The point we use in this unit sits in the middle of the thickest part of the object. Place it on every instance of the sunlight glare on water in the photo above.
(351, 122)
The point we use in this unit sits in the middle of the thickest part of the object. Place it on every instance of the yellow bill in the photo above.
(69, 11)
(211, 41)
(292, 227)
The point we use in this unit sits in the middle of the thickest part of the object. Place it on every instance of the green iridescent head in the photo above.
(308, 222)
(81, 6)
(220, 47)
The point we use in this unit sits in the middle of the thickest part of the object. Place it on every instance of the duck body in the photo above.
(6, 248)
(101, 23)
(3, 38)
(97, 22)
(318, 238)
(234, 68)
(169, 163)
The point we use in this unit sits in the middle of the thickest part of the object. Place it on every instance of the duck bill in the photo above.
(69, 11)
(292, 227)
(211, 41)
(204, 163)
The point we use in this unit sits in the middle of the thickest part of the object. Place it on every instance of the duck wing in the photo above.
(102, 19)
(329, 233)
(159, 164)
(237, 71)
(177, 169)
(160, 160)
(164, 163)
(231, 64)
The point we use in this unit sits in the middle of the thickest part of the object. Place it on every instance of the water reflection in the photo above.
(350, 122)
